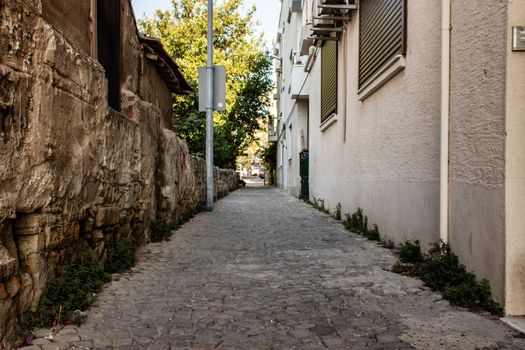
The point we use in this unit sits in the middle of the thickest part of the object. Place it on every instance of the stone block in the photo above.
(41, 341)
(107, 216)
(28, 245)
(66, 338)
(98, 235)
(56, 346)
(3, 291)
(8, 251)
(32, 262)
(31, 347)
(100, 250)
(13, 286)
(61, 235)
(29, 224)
(8, 264)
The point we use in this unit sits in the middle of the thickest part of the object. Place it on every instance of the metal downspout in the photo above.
(445, 121)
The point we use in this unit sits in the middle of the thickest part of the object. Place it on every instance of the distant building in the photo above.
(414, 111)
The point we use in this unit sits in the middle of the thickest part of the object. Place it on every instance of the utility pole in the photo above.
(209, 112)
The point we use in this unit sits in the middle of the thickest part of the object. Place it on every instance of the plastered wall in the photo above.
(382, 154)
(477, 138)
(293, 117)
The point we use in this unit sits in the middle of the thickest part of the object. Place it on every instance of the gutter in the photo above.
(445, 122)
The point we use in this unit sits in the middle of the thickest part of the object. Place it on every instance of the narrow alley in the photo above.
(267, 271)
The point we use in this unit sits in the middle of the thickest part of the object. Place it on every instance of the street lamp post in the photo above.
(209, 112)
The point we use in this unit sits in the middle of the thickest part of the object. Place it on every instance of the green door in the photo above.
(304, 172)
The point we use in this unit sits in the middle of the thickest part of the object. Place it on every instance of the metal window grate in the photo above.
(328, 79)
(382, 35)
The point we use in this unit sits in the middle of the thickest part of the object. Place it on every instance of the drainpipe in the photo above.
(445, 120)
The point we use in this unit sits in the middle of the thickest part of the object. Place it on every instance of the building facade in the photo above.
(411, 111)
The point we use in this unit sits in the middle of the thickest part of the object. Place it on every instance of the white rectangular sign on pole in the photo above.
(219, 88)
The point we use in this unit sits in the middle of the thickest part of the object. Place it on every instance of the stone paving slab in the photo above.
(267, 271)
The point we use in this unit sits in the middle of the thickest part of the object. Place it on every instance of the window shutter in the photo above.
(381, 35)
(328, 79)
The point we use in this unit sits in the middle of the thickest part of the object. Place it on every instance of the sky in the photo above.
(267, 13)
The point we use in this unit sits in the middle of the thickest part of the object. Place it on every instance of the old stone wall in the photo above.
(75, 174)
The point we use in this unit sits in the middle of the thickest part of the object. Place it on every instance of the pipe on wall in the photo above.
(445, 121)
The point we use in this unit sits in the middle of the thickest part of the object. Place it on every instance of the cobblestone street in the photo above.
(267, 271)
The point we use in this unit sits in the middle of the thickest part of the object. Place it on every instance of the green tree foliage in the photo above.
(269, 159)
(248, 65)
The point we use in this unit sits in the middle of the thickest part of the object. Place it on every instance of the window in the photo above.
(328, 79)
(382, 35)
(108, 38)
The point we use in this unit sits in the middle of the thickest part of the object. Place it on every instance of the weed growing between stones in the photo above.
(337, 214)
(358, 223)
(410, 252)
(441, 270)
(121, 256)
(160, 231)
(66, 296)
(318, 204)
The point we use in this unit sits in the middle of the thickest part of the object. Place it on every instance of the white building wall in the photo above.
(382, 154)
(477, 138)
(293, 113)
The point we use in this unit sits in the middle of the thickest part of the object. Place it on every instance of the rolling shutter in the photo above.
(382, 35)
(328, 79)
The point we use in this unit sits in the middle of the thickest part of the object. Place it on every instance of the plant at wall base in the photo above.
(160, 231)
(373, 234)
(121, 256)
(410, 252)
(66, 294)
(318, 204)
(174, 225)
(356, 222)
(473, 295)
(337, 214)
(321, 207)
(441, 270)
